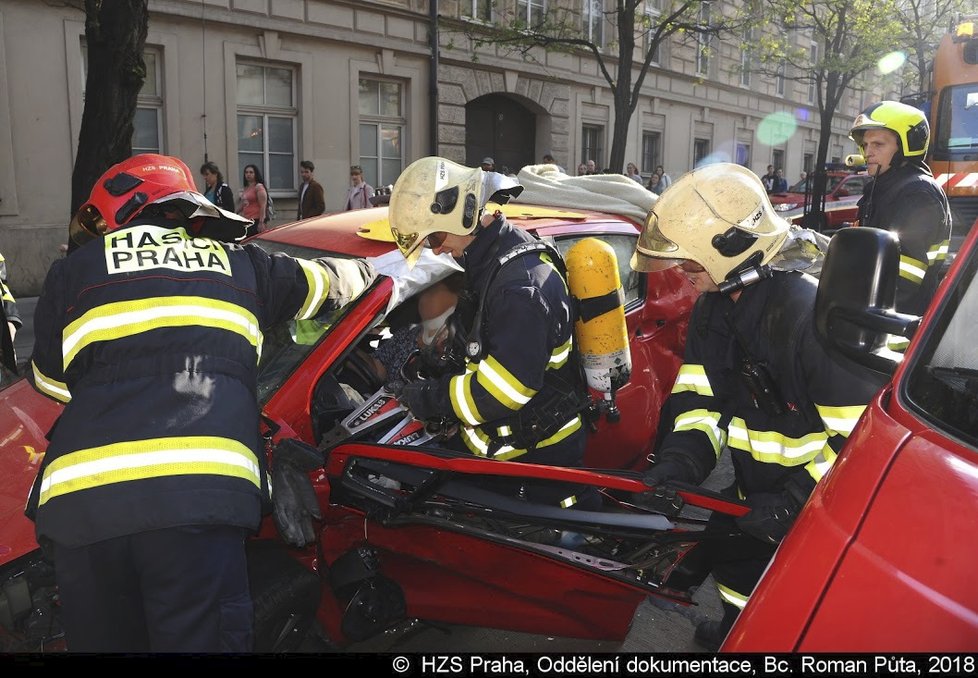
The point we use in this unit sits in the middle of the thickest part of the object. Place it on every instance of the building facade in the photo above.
(341, 83)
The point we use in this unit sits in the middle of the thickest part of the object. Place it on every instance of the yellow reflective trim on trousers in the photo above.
(841, 419)
(50, 387)
(728, 595)
(318, 280)
(912, 269)
(460, 395)
(771, 447)
(128, 318)
(478, 442)
(502, 385)
(821, 464)
(568, 502)
(559, 356)
(702, 420)
(939, 251)
(693, 378)
(144, 459)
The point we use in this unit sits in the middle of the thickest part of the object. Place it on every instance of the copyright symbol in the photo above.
(401, 664)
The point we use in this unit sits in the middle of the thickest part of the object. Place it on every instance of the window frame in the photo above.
(745, 58)
(380, 121)
(527, 10)
(703, 42)
(266, 111)
(590, 21)
(469, 10)
(657, 152)
(598, 151)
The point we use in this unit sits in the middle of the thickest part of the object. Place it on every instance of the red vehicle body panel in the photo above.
(882, 556)
(26, 417)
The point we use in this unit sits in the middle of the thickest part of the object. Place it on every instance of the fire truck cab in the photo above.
(953, 112)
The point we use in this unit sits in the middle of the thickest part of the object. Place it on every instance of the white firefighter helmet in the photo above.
(718, 216)
(435, 195)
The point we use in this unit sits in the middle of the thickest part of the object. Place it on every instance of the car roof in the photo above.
(340, 232)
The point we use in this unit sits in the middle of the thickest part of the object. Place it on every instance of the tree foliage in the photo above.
(826, 44)
(623, 60)
(115, 35)
(925, 22)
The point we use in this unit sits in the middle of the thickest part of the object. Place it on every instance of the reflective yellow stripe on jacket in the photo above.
(479, 442)
(938, 252)
(50, 387)
(771, 447)
(838, 421)
(143, 459)
(318, 281)
(912, 269)
(693, 378)
(706, 421)
(128, 318)
(498, 382)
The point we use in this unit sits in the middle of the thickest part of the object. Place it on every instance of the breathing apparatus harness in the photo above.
(563, 394)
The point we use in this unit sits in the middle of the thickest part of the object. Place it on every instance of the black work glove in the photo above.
(294, 501)
(416, 396)
(661, 499)
(770, 517)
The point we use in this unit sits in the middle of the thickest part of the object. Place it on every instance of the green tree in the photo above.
(925, 23)
(624, 61)
(115, 35)
(845, 39)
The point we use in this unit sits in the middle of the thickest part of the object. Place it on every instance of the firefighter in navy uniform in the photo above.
(904, 198)
(150, 333)
(520, 394)
(754, 379)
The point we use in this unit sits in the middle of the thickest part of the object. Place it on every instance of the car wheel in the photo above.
(285, 595)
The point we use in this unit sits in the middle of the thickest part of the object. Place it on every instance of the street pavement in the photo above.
(655, 628)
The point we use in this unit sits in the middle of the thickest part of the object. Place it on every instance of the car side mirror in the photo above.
(854, 307)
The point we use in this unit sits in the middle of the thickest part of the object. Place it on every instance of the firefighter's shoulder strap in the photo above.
(474, 347)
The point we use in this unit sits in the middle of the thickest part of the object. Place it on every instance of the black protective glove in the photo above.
(660, 498)
(770, 517)
(294, 500)
(417, 396)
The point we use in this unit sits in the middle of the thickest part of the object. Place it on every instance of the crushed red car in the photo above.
(398, 517)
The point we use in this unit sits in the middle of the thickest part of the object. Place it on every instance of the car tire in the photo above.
(285, 594)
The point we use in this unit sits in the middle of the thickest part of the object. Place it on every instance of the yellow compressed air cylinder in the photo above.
(600, 332)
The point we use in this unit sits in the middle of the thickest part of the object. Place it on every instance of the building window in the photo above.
(701, 151)
(382, 128)
(809, 162)
(530, 12)
(745, 65)
(591, 136)
(593, 15)
(813, 55)
(267, 119)
(481, 10)
(743, 154)
(653, 11)
(147, 123)
(779, 78)
(777, 159)
(651, 151)
(703, 42)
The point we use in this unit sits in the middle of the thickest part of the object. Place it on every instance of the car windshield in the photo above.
(943, 383)
(287, 344)
(957, 127)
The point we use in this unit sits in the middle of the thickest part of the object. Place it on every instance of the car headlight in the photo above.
(785, 206)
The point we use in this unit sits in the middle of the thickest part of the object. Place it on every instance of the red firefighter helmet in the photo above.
(129, 187)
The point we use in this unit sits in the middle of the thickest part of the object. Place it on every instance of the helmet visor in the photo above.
(654, 251)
